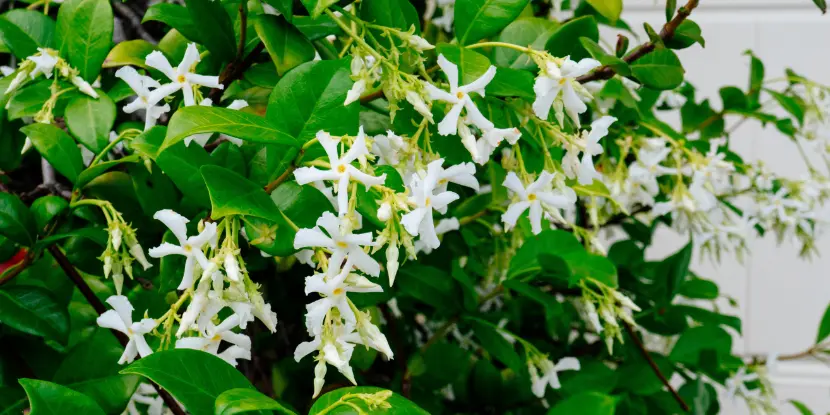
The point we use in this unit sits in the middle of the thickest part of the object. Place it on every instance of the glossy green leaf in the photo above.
(193, 377)
(596, 51)
(551, 242)
(589, 403)
(699, 288)
(478, 19)
(23, 31)
(287, 46)
(398, 14)
(243, 125)
(57, 147)
(824, 327)
(90, 120)
(28, 100)
(494, 342)
(660, 69)
(609, 9)
(532, 31)
(687, 34)
(45, 208)
(130, 52)
(396, 404)
(91, 173)
(822, 5)
(695, 341)
(672, 271)
(564, 41)
(16, 222)
(84, 34)
(429, 285)
(33, 310)
(232, 194)
(214, 27)
(244, 400)
(789, 104)
(310, 98)
(47, 398)
(801, 407)
(175, 16)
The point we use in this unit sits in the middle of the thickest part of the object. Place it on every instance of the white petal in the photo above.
(479, 84)
(305, 175)
(156, 60)
(450, 70)
(191, 57)
(513, 212)
(308, 238)
(175, 222)
(111, 320)
(122, 306)
(449, 125)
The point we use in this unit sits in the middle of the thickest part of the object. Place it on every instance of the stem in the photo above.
(354, 36)
(654, 366)
(243, 29)
(666, 34)
(501, 45)
(109, 147)
(99, 307)
(234, 71)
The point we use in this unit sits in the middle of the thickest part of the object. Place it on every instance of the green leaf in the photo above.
(699, 288)
(824, 327)
(756, 80)
(609, 9)
(671, 7)
(90, 120)
(237, 401)
(803, 409)
(232, 194)
(589, 403)
(16, 222)
(316, 7)
(551, 242)
(214, 27)
(175, 16)
(822, 5)
(57, 147)
(23, 31)
(28, 100)
(687, 34)
(563, 42)
(91, 173)
(287, 46)
(130, 52)
(789, 104)
(532, 31)
(694, 341)
(243, 125)
(310, 98)
(478, 19)
(672, 271)
(193, 377)
(45, 208)
(429, 285)
(733, 98)
(47, 398)
(84, 34)
(495, 344)
(397, 14)
(398, 405)
(660, 69)
(33, 310)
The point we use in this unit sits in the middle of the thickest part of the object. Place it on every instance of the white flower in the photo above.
(44, 61)
(333, 286)
(121, 318)
(584, 169)
(342, 170)
(425, 199)
(462, 174)
(459, 97)
(420, 44)
(647, 168)
(182, 76)
(418, 103)
(213, 336)
(141, 85)
(781, 208)
(550, 373)
(83, 86)
(145, 395)
(736, 385)
(387, 147)
(341, 241)
(369, 335)
(443, 226)
(671, 99)
(490, 139)
(447, 13)
(554, 79)
(190, 247)
(364, 73)
(355, 92)
(6, 70)
(532, 198)
(332, 349)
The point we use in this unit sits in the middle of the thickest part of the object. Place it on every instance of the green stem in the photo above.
(109, 147)
(343, 26)
(501, 45)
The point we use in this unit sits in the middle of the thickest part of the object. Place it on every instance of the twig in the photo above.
(243, 30)
(132, 18)
(654, 366)
(99, 307)
(666, 34)
(278, 181)
(235, 71)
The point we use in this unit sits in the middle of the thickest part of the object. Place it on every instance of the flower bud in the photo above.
(385, 212)
(392, 254)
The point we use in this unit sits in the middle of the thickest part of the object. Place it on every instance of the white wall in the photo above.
(781, 297)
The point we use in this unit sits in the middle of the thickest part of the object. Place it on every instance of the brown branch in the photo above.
(243, 30)
(100, 308)
(666, 34)
(235, 70)
(283, 177)
(654, 366)
(127, 13)
(371, 96)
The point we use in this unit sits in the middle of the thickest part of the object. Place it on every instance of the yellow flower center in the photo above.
(342, 244)
(187, 248)
(216, 338)
(442, 181)
(531, 197)
(180, 79)
(562, 81)
(459, 94)
(341, 168)
(338, 291)
(427, 202)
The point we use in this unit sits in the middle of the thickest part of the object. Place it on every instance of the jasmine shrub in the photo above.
(381, 206)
